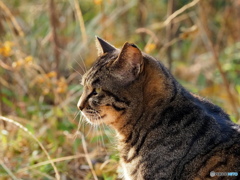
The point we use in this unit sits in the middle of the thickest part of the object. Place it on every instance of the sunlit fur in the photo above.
(164, 132)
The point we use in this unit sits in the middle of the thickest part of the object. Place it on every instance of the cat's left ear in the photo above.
(103, 46)
(129, 63)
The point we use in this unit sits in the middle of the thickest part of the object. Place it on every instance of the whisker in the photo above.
(108, 131)
(76, 115)
(77, 71)
(82, 68)
(100, 138)
(83, 64)
(97, 131)
(102, 134)
(90, 129)
(79, 125)
(97, 136)
(101, 128)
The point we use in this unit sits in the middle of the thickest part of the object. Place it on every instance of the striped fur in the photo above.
(164, 131)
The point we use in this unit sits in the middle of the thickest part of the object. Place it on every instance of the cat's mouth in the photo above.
(93, 116)
(102, 115)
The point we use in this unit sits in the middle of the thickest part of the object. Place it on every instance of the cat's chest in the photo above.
(132, 166)
(147, 162)
(132, 171)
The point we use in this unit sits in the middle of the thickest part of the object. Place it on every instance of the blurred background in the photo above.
(46, 46)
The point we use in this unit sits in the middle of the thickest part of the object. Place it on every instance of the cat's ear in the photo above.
(103, 46)
(129, 63)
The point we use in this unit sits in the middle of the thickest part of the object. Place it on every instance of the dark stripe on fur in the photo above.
(156, 169)
(118, 108)
(165, 113)
(178, 115)
(96, 81)
(138, 148)
(116, 98)
(130, 136)
(91, 94)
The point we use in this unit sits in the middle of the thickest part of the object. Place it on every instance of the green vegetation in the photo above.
(45, 47)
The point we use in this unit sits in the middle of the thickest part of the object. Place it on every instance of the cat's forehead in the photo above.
(97, 69)
(88, 77)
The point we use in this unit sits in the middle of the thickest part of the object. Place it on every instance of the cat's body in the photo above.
(164, 132)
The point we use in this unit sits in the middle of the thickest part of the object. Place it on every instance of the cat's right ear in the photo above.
(103, 46)
(129, 63)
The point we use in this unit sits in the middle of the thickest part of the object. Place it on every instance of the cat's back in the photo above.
(221, 155)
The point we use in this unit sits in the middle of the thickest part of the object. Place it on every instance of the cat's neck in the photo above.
(158, 90)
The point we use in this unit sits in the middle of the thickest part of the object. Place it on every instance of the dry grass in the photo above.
(39, 143)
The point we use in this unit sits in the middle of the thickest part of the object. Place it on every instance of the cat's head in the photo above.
(110, 86)
(122, 85)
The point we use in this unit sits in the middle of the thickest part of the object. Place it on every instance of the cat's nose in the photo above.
(83, 101)
(80, 104)
(80, 107)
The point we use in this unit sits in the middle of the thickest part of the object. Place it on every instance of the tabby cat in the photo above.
(164, 131)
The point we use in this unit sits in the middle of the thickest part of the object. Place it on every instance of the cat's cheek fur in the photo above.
(111, 117)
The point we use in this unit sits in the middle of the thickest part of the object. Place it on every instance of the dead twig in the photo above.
(48, 162)
(81, 21)
(209, 44)
(161, 25)
(142, 18)
(8, 170)
(14, 21)
(87, 157)
(56, 44)
(149, 32)
(169, 31)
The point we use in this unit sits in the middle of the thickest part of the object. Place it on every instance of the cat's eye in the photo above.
(97, 91)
